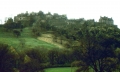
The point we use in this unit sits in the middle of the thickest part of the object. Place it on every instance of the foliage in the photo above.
(59, 57)
(31, 60)
(36, 30)
(16, 33)
(98, 44)
(7, 59)
(37, 58)
(10, 25)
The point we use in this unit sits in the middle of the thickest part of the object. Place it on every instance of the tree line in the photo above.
(34, 59)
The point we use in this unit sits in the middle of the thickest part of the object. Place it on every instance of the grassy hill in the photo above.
(30, 42)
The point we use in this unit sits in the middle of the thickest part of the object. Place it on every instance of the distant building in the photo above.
(18, 18)
(106, 20)
(21, 18)
(25, 16)
(74, 21)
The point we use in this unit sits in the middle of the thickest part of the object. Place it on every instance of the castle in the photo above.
(106, 20)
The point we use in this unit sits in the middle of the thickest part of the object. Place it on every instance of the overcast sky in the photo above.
(88, 9)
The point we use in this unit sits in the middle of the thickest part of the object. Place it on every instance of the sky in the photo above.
(87, 9)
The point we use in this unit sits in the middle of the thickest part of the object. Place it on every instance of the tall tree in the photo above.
(9, 24)
(98, 44)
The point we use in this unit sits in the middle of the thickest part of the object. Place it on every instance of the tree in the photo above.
(9, 24)
(7, 58)
(31, 20)
(98, 44)
(52, 55)
(16, 33)
(41, 14)
(36, 29)
(37, 58)
(59, 57)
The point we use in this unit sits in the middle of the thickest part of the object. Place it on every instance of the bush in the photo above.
(16, 32)
(36, 60)
(7, 59)
(59, 57)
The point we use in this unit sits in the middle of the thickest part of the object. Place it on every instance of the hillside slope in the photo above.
(49, 39)
(30, 42)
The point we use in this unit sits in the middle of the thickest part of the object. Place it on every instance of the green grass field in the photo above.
(60, 69)
(64, 69)
(30, 42)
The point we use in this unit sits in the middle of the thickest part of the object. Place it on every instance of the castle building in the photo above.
(106, 20)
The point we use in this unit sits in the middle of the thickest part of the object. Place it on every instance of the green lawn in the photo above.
(60, 69)
(30, 42)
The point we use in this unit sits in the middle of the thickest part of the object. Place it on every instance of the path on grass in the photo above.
(49, 39)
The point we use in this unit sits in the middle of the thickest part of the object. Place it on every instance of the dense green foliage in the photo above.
(98, 45)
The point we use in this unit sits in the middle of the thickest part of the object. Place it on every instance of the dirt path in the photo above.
(49, 39)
